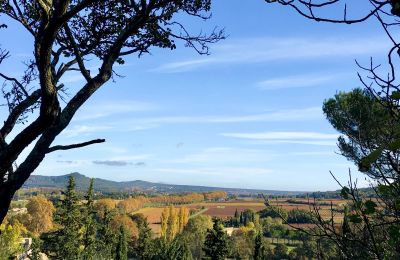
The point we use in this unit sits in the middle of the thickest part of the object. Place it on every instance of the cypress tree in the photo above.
(144, 248)
(89, 239)
(216, 244)
(122, 246)
(258, 247)
(106, 237)
(68, 216)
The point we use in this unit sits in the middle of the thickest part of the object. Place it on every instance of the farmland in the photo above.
(226, 209)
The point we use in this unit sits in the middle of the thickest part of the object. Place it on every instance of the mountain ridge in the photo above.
(108, 186)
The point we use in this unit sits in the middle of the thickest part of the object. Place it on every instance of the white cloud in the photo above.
(282, 135)
(255, 50)
(308, 138)
(215, 172)
(300, 81)
(226, 155)
(100, 110)
(79, 130)
(311, 113)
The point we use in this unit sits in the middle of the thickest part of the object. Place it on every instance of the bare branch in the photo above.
(74, 146)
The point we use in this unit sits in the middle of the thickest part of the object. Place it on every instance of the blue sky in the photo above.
(248, 115)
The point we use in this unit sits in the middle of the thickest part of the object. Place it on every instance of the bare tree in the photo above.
(67, 33)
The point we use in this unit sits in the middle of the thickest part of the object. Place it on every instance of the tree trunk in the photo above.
(6, 195)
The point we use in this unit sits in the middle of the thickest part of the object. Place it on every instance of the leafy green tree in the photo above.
(194, 234)
(171, 250)
(10, 239)
(122, 246)
(273, 212)
(216, 245)
(300, 216)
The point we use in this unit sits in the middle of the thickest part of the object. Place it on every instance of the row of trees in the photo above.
(173, 221)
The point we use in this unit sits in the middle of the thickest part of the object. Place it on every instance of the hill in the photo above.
(107, 186)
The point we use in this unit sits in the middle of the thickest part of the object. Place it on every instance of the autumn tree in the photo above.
(173, 220)
(66, 34)
(40, 215)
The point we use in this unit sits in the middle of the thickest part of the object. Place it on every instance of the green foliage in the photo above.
(90, 225)
(216, 245)
(122, 246)
(171, 250)
(144, 247)
(368, 127)
(300, 216)
(194, 234)
(280, 251)
(65, 243)
(273, 212)
(10, 239)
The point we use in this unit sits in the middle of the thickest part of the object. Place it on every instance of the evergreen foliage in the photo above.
(65, 243)
(122, 246)
(216, 244)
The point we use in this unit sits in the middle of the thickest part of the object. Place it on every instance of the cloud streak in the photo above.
(308, 138)
(300, 81)
(310, 113)
(258, 50)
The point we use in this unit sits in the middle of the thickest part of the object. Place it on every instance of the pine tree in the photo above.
(106, 237)
(216, 244)
(68, 216)
(144, 248)
(89, 238)
(122, 246)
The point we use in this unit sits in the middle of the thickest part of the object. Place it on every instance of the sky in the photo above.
(249, 115)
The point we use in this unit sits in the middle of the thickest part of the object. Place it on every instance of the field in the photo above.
(227, 209)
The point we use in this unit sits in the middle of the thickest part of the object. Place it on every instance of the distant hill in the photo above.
(107, 186)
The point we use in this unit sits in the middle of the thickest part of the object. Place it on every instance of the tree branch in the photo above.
(73, 146)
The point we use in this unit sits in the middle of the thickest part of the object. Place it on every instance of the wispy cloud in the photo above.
(216, 171)
(100, 110)
(112, 163)
(310, 113)
(299, 81)
(257, 50)
(79, 130)
(226, 155)
(310, 138)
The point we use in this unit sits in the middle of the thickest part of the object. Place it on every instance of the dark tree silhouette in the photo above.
(67, 33)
